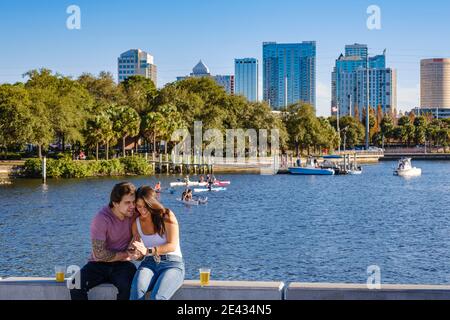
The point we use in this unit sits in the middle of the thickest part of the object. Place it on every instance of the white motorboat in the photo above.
(355, 171)
(405, 169)
(312, 168)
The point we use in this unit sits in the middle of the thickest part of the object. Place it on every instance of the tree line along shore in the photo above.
(58, 116)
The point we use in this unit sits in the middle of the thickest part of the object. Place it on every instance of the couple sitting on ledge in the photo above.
(134, 227)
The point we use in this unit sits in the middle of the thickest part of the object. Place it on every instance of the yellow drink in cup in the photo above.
(204, 276)
(60, 273)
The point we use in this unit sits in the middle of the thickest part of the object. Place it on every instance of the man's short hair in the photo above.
(119, 191)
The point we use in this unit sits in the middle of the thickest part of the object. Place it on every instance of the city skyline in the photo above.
(33, 32)
(349, 82)
(289, 73)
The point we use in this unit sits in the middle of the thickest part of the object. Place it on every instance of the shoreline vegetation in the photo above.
(59, 117)
(68, 168)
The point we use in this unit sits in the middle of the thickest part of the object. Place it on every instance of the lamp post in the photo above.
(337, 125)
(367, 103)
(345, 137)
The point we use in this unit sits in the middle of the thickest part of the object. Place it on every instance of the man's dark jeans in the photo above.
(120, 274)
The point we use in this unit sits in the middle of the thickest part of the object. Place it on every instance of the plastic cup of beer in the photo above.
(60, 273)
(205, 274)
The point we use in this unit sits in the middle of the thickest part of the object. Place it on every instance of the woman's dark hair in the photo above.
(157, 211)
(119, 191)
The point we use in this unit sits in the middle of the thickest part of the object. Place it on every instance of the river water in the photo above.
(268, 228)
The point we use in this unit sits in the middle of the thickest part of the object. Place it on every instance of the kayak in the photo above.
(222, 183)
(198, 184)
(184, 184)
(194, 202)
(212, 189)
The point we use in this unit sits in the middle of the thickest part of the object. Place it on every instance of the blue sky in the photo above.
(180, 32)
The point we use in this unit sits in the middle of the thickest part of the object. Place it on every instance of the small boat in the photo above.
(405, 169)
(194, 202)
(311, 169)
(355, 171)
(208, 190)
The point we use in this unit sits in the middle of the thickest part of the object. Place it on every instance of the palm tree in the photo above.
(126, 123)
(151, 124)
(173, 121)
(99, 130)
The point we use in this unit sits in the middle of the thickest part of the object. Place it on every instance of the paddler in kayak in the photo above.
(187, 195)
(158, 187)
(210, 183)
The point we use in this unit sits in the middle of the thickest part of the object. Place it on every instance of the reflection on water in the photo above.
(291, 228)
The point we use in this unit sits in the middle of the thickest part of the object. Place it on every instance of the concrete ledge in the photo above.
(230, 290)
(49, 289)
(327, 291)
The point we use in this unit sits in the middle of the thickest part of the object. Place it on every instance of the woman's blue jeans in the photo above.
(163, 279)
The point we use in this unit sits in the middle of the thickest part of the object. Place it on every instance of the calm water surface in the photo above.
(287, 228)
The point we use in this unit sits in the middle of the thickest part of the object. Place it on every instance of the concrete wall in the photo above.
(326, 291)
(48, 289)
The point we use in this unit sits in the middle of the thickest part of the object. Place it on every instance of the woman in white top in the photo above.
(156, 238)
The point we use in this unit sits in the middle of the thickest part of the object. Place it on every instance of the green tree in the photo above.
(15, 116)
(99, 130)
(138, 91)
(387, 127)
(352, 131)
(302, 126)
(420, 124)
(407, 130)
(126, 123)
(172, 121)
(103, 89)
(66, 103)
(151, 126)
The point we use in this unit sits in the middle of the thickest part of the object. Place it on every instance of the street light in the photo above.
(367, 103)
(345, 136)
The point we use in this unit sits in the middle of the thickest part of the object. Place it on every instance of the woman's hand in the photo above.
(140, 247)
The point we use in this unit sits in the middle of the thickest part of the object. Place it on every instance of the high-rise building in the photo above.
(435, 83)
(289, 73)
(356, 50)
(226, 81)
(136, 62)
(349, 82)
(246, 73)
(201, 70)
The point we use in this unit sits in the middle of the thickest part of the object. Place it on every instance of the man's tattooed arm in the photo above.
(104, 255)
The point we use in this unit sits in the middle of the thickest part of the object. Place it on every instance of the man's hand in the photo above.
(123, 256)
(140, 247)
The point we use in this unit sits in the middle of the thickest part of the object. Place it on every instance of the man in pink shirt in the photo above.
(111, 235)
